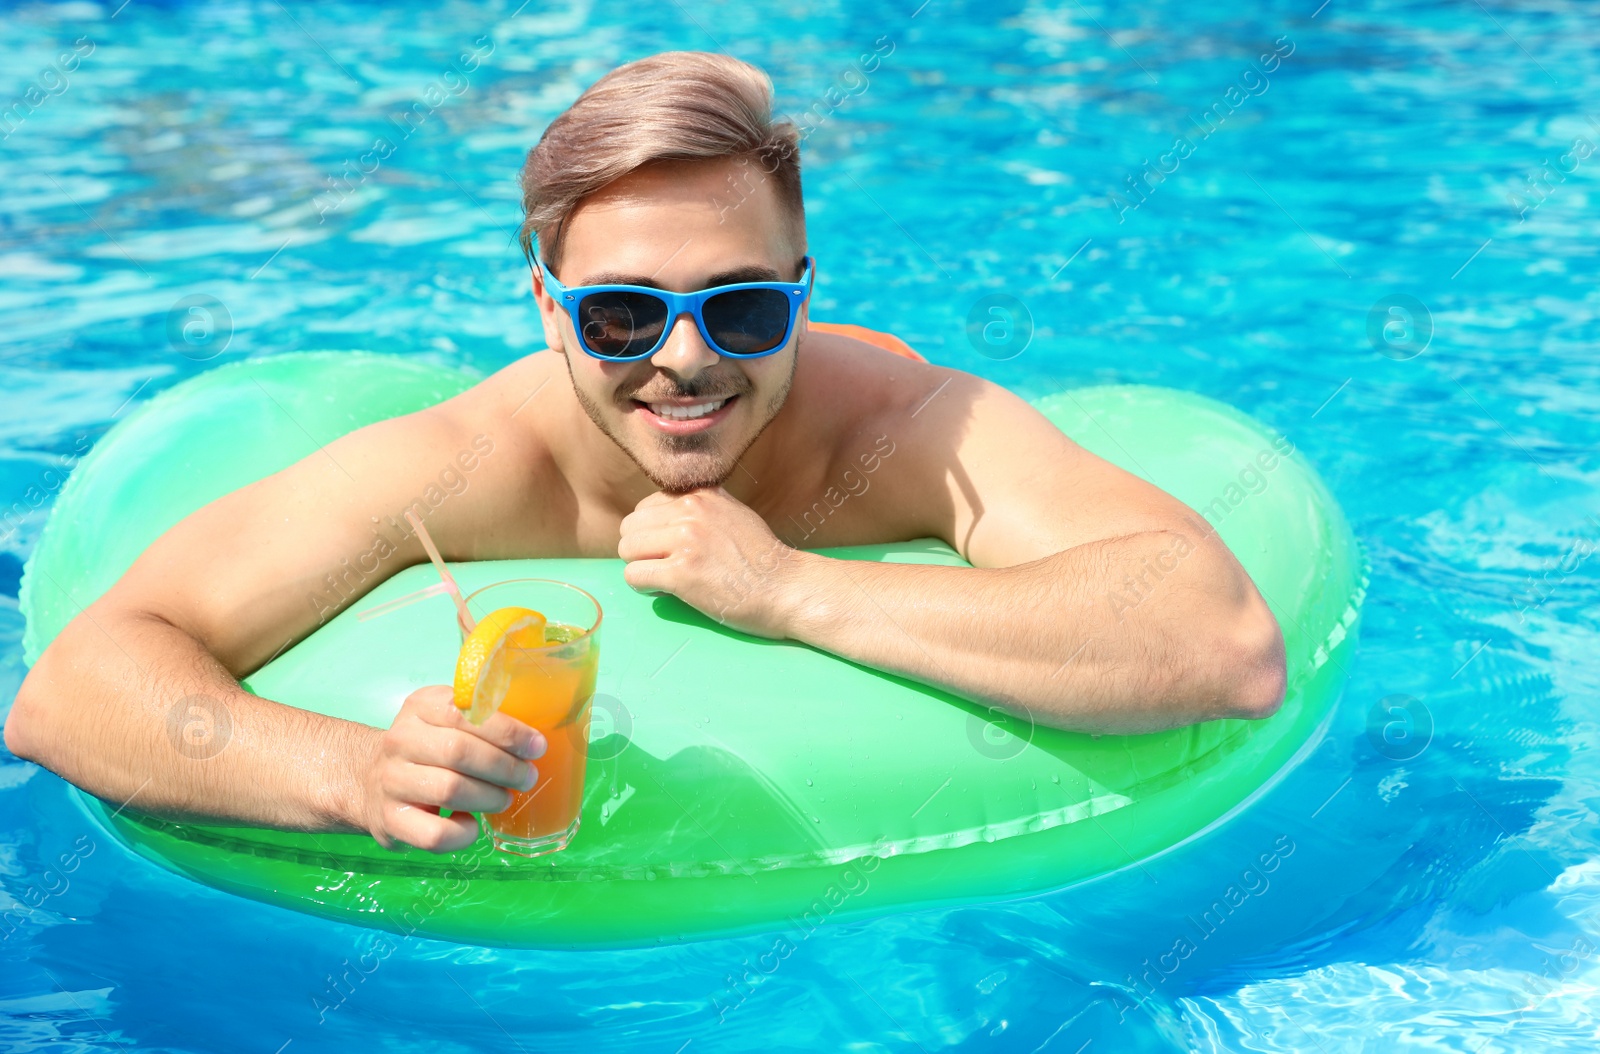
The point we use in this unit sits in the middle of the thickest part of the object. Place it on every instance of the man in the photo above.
(693, 437)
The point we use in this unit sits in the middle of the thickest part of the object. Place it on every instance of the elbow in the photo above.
(34, 725)
(1257, 678)
(22, 732)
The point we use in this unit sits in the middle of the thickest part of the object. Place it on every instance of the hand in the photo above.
(432, 757)
(711, 551)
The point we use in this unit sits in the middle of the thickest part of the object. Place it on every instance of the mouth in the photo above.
(680, 418)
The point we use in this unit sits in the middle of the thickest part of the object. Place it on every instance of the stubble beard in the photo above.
(686, 462)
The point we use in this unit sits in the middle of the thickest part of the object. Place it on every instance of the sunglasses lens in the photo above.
(748, 321)
(619, 325)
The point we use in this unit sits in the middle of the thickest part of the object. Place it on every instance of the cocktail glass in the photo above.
(550, 688)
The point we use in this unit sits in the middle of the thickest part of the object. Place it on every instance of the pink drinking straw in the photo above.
(468, 623)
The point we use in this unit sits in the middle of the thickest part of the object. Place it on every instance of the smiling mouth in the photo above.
(690, 412)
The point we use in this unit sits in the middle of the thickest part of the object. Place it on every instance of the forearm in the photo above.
(1065, 640)
(135, 711)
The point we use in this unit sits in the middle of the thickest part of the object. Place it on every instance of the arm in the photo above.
(1105, 662)
(1095, 602)
(138, 700)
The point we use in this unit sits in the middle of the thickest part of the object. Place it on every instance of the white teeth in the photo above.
(685, 413)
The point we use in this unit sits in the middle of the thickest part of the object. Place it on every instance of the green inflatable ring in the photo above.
(790, 789)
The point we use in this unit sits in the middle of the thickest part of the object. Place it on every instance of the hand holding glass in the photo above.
(549, 685)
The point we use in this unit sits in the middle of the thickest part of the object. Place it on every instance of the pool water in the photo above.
(1370, 225)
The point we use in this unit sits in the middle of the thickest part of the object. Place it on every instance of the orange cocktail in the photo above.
(550, 685)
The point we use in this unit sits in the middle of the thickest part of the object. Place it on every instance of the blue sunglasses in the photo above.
(626, 323)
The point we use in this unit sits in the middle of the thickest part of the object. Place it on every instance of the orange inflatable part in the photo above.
(886, 341)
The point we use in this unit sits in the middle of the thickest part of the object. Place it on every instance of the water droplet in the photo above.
(808, 783)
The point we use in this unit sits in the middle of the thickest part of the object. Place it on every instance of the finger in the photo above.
(435, 705)
(660, 497)
(459, 751)
(437, 708)
(510, 735)
(655, 543)
(430, 696)
(645, 519)
(419, 827)
(438, 788)
(648, 576)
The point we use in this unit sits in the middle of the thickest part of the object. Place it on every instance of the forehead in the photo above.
(681, 221)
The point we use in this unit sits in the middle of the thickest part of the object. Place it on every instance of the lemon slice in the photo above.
(482, 672)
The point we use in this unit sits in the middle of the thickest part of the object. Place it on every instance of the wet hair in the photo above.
(674, 106)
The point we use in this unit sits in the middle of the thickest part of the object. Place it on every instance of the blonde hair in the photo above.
(674, 106)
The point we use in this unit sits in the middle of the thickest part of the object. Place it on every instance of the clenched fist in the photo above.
(713, 552)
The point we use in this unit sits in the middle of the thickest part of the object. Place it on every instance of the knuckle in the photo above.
(397, 825)
(427, 697)
(451, 786)
(453, 751)
(389, 743)
(500, 728)
(386, 785)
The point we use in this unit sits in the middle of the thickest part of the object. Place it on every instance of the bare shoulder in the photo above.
(509, 404)
(935, 410)
(854, 387)
(516, 485)
(507, 394)
(874, 457)
(965, 460)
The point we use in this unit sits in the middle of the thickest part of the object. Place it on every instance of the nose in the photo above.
(685, 353)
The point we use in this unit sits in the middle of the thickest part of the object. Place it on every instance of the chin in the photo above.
(682, 482)
(676, 467)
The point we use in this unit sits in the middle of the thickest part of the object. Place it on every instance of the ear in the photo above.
(550, 315)
(802, 328)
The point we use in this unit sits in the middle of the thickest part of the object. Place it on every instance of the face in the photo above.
(682, 226)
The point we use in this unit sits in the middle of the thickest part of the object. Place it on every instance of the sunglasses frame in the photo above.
(679, 304)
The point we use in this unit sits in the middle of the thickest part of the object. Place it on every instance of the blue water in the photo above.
(1441, 890)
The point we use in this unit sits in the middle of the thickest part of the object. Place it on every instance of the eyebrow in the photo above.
(750, 273)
